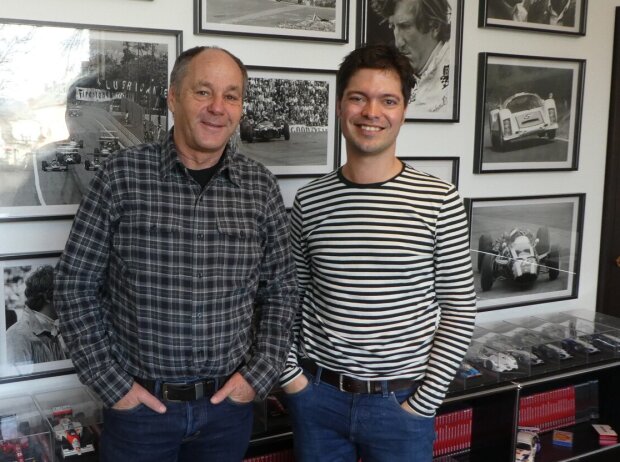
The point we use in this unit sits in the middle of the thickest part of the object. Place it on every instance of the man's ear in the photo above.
(171, 99)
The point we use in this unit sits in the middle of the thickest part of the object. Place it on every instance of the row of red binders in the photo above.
(548, 410)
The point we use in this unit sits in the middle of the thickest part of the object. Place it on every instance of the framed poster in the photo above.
(71, 94)
(316, 20)
(444, 168)
(30, 344)
(528, 114)
(289, 122)
(431, 39)
(525, 250)
(558, 16)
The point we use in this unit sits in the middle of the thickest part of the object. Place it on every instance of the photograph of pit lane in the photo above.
(69, 97)
(529, 114)
(528, 249)
(289, 122)
(297, 19)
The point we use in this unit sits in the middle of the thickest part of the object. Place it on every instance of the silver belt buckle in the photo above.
(340, 383)
(164, 392)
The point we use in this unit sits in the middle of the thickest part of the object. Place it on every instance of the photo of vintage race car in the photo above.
(522, 115)
(54, 166)
(108, 143)
(265, 130)
(517, 256)
(92, 165)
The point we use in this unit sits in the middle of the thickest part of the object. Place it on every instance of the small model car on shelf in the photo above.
(576, 345)
(605, 341)
(496, 361)
(551, 352)
(72, 437)
(467, 371)
(265, 130)
(517, 256)
(14, 444)
(522, 115)
(525, 357)
(528, 445)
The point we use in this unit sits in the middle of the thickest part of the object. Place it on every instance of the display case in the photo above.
(74, 418)
(23, 438)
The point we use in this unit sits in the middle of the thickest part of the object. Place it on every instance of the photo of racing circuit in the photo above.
(324, 20)
(525, 250)
(69, 97)
(289, 121)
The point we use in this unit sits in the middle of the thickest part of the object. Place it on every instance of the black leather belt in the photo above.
(171, 391)
(352, 385)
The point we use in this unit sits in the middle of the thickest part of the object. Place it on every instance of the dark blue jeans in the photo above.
(330, 425)
(191, 431)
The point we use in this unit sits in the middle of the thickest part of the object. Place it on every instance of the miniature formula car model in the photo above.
(70, 434)
(75, 111)
(496, 361)
(467, 371)
(265, 130)
(53, 166)
(14, 445)
(525, 357)
(516, 256)
(92, 165)
(522, 115)
(577, 345)
(605, 341)
(528, 445)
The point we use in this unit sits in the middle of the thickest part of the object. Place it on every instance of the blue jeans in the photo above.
(330, 425)
(188, 431)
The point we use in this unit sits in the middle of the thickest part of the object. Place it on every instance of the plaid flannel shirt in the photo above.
(161, 279)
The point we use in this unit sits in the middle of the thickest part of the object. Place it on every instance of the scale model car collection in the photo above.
(516, 256)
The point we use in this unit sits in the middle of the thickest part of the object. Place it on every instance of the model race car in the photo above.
(265, 130)
(496, 361)
(528, 445)
(517, 256)
(520, 116)
(14, 445)
(72, 437)
(578, 346)
(467, 371)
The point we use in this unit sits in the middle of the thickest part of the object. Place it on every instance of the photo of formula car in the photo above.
(517, 256)
(68, 153)
(75, 111)
(92, 165)
(54, 166)
(73, 438)
(108, 143)
(522, 115)
(265, 130)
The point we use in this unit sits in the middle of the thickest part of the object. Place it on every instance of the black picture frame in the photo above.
(528, 113)
(553, 224)
(16, 269)
(73, 93)
(444, 168)
(569, 19)
(438, 98)
(289, 122)
(285, 19)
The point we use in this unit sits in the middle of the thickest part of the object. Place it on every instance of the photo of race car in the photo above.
(92, 165)
(75, 111)
(517, 256)
(108, 143)
(522, 115)
(265, 130)
(68, 155)
(54, 166)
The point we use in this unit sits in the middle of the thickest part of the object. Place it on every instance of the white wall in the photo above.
(421, 139)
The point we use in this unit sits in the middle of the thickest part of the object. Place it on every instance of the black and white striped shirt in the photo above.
(385, 280)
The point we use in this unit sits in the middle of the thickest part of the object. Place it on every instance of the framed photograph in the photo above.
(528, 114)
(316, 20)
(557, 16)
(433, 44)
(525, 250)
(30, 344)
(444, 168)
(289, 120)
(71, 94)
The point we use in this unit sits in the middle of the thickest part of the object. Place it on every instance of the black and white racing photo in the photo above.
(429, 33)
(560, 16)
(289, 121)
(525, 250)
(528, 114)
(70, 96)
(30, 341)
(317, 20)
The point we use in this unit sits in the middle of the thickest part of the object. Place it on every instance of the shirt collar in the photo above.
(170, 160)
(433, 60)
(40, 323)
